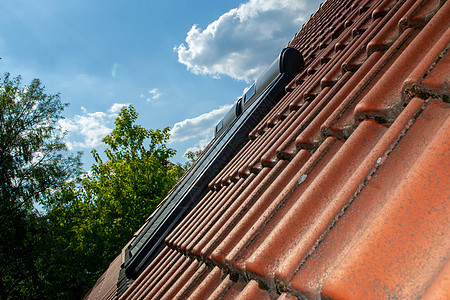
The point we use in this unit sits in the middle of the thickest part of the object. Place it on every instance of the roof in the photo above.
(106, 285)
(343, 189)
(231, 135)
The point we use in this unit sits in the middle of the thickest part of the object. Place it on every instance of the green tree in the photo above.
(84, 220)
(192, 157)
(32, 163)
(62, 266)
(122, 190)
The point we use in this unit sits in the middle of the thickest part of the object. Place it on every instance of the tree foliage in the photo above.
(84, 220)
(31, 164)
(63, 268)
(128, 185)
(93, 220)
(31, 158)
(191, 157)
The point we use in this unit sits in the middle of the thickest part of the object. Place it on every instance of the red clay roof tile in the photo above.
(208, 285)
(407, 240)
(106, 285)
(199, 276)
(439, 288)
(253, 291)
(343, 188)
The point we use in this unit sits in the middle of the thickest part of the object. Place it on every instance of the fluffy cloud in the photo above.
(87, 130)
(154, 95)
(116, 107)
(201, 127)
(244, 41)
(200, 145)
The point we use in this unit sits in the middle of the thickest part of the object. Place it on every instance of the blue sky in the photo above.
(179, 63)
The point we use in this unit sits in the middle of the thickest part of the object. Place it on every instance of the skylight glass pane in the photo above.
(250, 93)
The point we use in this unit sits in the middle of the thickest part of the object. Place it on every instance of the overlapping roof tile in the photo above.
(106, 285)
(343, 188)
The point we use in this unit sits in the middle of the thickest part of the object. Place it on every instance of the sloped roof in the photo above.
(106, 285)
(343, 190)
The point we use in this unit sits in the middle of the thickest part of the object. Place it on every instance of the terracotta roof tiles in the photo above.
(106, 285)
(342, 190)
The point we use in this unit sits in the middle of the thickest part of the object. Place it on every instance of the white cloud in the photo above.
(201, 127)
(200, 145)
(116, 107)
(67, 125)
(86, 131)
(154, 95)
(244, 41)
